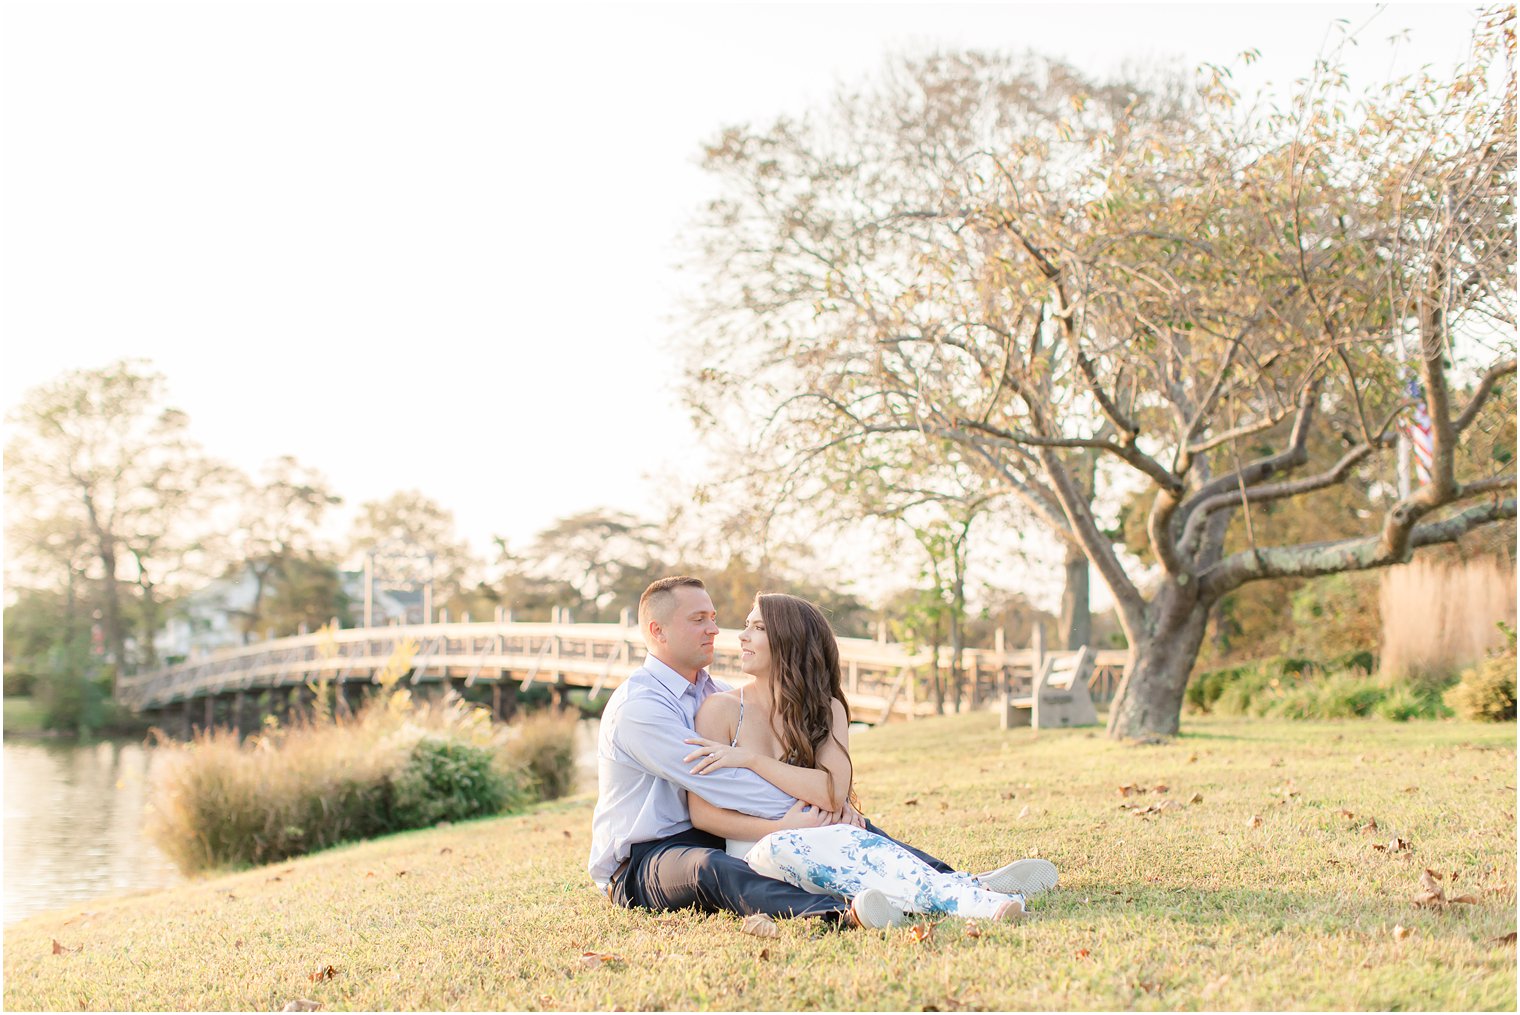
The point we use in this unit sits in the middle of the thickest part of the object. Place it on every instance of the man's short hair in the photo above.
(661, 596)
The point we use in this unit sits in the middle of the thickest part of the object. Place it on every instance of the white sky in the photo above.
(432, 245)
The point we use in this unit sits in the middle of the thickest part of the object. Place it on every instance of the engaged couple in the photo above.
(743, 800)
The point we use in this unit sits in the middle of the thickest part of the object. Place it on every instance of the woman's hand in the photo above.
(850, 816)
(715, 754)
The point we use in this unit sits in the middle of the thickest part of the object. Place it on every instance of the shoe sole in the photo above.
(874, 911)
(1022, 877)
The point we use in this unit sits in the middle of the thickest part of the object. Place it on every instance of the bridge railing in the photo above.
(881, 678)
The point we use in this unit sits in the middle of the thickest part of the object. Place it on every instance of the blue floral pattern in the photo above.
(842, 860)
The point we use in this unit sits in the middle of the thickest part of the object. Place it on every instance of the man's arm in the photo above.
(653, 733)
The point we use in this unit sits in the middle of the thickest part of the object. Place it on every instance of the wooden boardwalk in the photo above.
(883, 680)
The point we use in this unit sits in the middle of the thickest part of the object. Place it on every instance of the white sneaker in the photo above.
(872, 910)
(1022, 877)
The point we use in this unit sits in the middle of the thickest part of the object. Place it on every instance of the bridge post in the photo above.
(239, 702)
(187, 724)
(626, 618)
(210, 723)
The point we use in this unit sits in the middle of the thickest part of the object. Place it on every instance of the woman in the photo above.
(791, 726)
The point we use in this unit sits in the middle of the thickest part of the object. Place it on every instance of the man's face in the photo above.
(687, 634)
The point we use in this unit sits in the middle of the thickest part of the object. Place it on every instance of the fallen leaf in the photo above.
(1346, 814)
(1398, 844)
(1192, 758)
(1130, 789)
(1409, 789)
(1470, 900)
(922, 932)
(401, 874)
(944, 806)
(444, 850)
(565, 832)
(1196, 798)
(1083, 953)
(1161, 787)
(1401, 932)
(1024, 811)
(302, 1004)
(1504, 939)
(59, 949)
(592, 960)
(759, 925)
(1007, 795)
(1149, 986)
(323, 973)
(1254, 821)
(1379, 846)
(238, 943)
(1371, 826)
(275, 878)
(369, 874)
(972, 930)
(765, 955)
(911, 803)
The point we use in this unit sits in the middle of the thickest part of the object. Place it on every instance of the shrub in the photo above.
(1487, 691)
(74, 691)
(543, 746)
(1404, 701)
(446, 780)
(1348, 695)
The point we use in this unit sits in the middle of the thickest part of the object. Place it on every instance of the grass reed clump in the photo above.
(223, 802)
(543, 747)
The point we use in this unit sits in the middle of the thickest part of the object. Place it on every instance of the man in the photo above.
(645, 851)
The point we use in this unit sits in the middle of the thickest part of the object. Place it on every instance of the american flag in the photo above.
(1416, 430)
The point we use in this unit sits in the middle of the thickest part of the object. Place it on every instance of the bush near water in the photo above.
(223, 802)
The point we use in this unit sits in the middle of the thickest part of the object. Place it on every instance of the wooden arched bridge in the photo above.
(883, 680)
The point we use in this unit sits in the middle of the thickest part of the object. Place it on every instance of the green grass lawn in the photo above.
(1268, 892)
(21, 714)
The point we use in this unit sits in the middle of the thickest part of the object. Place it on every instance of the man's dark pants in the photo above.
(691, 870)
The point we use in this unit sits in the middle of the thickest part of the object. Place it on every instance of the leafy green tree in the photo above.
(111, 469)
(276, 541)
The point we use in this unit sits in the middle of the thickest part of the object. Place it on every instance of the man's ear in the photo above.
(654, 632)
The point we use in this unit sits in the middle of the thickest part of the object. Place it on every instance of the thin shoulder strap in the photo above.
(735, 741)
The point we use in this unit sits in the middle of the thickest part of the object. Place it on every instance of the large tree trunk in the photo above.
(1076, 611)
(1149, 702)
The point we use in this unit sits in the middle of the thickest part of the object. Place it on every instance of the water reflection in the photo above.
(74, 825)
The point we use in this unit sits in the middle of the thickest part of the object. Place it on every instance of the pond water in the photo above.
(75, 819)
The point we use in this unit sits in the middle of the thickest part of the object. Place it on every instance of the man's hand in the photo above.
(850, 816)
(805, 815)
(715, 755)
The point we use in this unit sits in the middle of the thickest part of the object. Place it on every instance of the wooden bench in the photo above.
(1058, 696)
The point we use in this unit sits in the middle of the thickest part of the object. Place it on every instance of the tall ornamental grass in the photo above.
(220, 801)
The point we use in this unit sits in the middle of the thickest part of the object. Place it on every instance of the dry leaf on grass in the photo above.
(1371, 826)
(1196, 798)
(302, 1004)
(1347, 814)
(444, 850)
(922, 932)
(1504, 939)
(972, 930)
(323, 973)
(1161, 787)
(1400, 932)
(1433, 896)
(911, 803)
(1083, 953)
(759, 925)
(765, 955)
(592, 960)
(59, 949)
(1254, 821)
(1025, 811)
(1007, 795)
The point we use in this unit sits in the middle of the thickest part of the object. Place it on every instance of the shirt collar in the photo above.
(670, 679)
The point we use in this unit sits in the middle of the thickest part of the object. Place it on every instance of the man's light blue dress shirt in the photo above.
(641, 777)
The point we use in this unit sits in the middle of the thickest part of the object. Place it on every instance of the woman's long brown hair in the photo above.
(805, 678)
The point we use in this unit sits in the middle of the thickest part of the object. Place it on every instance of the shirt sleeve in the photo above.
(654, 736)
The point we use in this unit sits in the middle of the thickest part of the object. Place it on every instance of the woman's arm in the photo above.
(828, 790)
(733, 825)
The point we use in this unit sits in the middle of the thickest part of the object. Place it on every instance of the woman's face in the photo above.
(754, 646)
